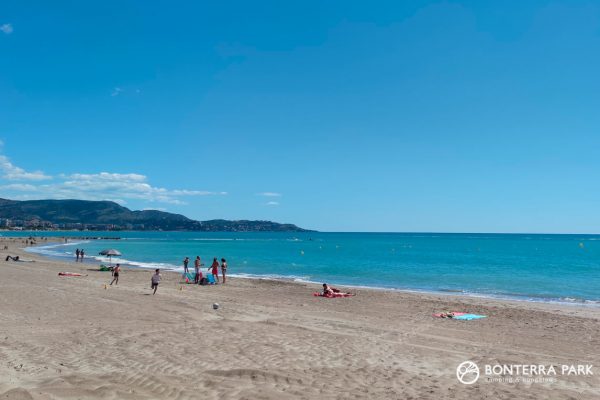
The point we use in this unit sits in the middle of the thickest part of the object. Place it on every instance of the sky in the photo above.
(401, 116)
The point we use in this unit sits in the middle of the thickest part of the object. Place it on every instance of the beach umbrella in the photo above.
(110, 253)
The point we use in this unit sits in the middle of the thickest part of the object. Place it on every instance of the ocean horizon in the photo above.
(532, 267)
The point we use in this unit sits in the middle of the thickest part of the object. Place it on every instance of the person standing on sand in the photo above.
(185, 265)
(155, 280)
(197, 265)
(76, 255)
(223, 268)
(81, 254)
(116, 271)
(215, 269)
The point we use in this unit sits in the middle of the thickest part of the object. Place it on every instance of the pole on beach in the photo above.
(110, 253)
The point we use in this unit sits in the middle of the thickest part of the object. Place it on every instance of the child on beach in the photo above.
(115, 274)
(185, 265)
(155, 280)
(81, 254)
(215, 269)
(223, 268)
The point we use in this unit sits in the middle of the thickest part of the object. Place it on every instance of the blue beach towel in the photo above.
(468, 317)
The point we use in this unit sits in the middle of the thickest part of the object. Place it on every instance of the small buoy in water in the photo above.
(581, 245)
(301, 252)
(215, 306)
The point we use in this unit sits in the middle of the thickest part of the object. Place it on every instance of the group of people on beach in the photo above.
(198, 277)
(79, 254)
(213, 269)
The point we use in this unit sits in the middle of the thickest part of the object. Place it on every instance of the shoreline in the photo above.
(448, 296)
(441, 293)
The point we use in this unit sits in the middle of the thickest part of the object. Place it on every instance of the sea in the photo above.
(528, 267)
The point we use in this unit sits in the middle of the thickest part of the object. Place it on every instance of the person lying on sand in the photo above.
(330, 292)
(447, 315)
(11, 258)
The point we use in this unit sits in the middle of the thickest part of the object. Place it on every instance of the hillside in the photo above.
(71, 214)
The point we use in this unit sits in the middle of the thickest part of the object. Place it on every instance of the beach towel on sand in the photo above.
(459, 315)
(69, 274)
(189, 277)
(468, 317)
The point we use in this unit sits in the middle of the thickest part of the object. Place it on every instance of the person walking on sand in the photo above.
(155, 280)
(116, 271)
(223, 268)
(81, 254)
(197, 265)
(185, 265)
(77, 252)
(215, 269)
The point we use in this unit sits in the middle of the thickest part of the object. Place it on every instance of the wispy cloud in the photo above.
(13, 173)
(96, 186)
(272, 203)
(269, 194)
(116, 91)
(7, 28)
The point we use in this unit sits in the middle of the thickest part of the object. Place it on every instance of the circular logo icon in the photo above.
(467, 372)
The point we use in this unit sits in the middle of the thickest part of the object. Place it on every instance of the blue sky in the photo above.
(460, 116)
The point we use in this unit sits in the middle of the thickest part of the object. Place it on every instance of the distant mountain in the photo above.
(98, 214)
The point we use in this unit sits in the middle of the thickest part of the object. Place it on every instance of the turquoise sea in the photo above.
(562, 268)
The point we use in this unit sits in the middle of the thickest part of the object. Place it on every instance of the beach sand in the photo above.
(70, 338)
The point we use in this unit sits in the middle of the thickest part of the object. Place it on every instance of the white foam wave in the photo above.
(274, 277)
(137, 264)
(54, 250)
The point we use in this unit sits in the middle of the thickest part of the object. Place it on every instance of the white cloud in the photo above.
(120, 202)
(14, 173)
(21, 187)
(116, 91)
(272, 203)
(7, 28)
(269, 194)
(116, 187)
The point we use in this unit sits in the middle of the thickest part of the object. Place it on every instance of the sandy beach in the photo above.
(72, 338)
